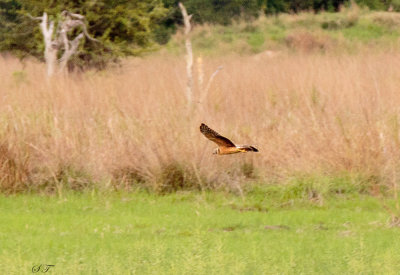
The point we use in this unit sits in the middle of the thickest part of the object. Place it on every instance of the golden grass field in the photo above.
(307, 113)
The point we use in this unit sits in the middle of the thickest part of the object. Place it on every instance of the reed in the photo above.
(307, 113)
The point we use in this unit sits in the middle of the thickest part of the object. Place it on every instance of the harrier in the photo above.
(225, 146)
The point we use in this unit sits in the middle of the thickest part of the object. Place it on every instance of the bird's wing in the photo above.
(214, 136)
(247, 148)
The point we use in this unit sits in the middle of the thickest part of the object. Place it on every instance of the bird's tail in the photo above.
(248, 148)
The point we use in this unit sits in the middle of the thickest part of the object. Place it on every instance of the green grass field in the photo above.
(195, 233)
(349, 31)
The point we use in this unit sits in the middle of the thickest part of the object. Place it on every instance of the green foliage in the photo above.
(225, 12)
(20, 77)
(16, 33)
(256, 40)
(130, 27)
(316, 5)
(220, 12)
(123, 27)
(373, 4)
(395, 5)
(339, 22)
(348, 30)
(367, 31)
(277, 6)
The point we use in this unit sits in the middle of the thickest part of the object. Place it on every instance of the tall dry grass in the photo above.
(306, 113)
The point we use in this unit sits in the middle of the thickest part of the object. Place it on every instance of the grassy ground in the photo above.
(349, 31)
(194, 233)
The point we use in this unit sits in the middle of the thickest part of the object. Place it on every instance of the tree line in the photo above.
(130, 27)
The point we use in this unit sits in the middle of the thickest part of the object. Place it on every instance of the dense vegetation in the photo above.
(129, 27)
(351, 30)
(123, 27)
(110, 129)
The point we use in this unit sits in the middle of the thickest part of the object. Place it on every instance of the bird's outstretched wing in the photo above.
(214, 136)
(247, 148)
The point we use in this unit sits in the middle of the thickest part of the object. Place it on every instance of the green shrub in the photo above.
(123, 27)
(174, 177)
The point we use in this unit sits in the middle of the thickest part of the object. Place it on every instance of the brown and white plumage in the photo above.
(225, 146)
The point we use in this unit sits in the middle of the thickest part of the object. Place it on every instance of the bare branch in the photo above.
(34, 18)
(205, 92)
(64, 39)
(69, 22)
(50, 30)
(186, 18)
(87, 34)
(66, 13)
(71, 50)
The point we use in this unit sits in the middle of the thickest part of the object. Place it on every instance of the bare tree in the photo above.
(189, 63)
(189, 54)
(56, 41)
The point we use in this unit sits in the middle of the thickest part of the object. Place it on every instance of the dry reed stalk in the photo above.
(305, 112)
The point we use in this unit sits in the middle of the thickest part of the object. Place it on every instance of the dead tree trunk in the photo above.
(189, 54)
(189, 64)
(50, 50)
(57, 41)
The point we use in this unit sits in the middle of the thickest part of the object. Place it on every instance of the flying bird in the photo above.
(225, 146)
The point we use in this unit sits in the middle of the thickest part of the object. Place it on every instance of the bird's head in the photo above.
(216, 151)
